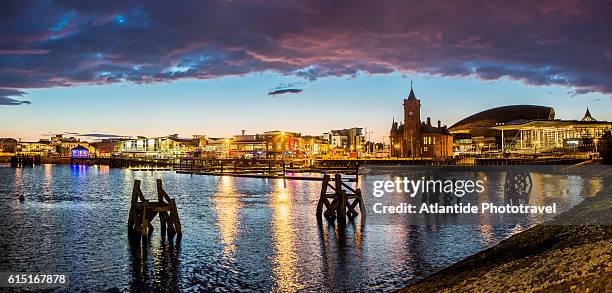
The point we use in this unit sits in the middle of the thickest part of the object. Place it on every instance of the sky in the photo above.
(155, 68)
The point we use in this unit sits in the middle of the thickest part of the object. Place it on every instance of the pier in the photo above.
(123, 162)
(263, 168)
(25, 161)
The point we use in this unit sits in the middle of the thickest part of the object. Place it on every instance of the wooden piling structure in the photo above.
(21, 160)
(143, 211)
(342, 202)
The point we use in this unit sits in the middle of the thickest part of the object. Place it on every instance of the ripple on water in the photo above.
(239, 234)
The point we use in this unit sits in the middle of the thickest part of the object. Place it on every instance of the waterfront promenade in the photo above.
(550, 257)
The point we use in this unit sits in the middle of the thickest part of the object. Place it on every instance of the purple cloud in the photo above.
(62, 43)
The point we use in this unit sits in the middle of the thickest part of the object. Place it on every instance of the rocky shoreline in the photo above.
(555, 256)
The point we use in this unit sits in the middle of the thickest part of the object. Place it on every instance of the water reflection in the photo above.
(286, 258)
(227, 205)
(155, 263)
(238, 233)
(48, 181)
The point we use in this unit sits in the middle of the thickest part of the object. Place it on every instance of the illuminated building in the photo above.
(106, 147)
(313, 145)
(342, 141)
(159, 147)
(282, 143)
(526, 129)
(42, 147)
(270, 144)
(8, 145)
(217, 147)
(419, 139)
(79, 152)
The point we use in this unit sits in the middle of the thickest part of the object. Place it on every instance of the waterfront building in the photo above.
(270, 144)
(8, 145)
(337, 138)
(216, 147)
(248, 146)
(282, 143)
(526, 129)
(159, 147)
(106, 147)
(64, 145)
(419, 139)
(41, 148)
(79, 152)
(475, 133)
(313, 145)
(342, 141)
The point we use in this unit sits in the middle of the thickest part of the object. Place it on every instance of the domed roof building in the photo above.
(503, 115)
(529, 128)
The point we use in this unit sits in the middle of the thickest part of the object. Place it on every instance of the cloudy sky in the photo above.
(206, 67)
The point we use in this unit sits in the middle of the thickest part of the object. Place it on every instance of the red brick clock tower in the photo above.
(412, 126)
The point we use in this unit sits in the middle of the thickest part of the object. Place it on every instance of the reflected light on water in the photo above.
(593, 187)
(227, 205)
(240, 234)
(18, 183)
(486, 233)
(285, 259)
(47, 180)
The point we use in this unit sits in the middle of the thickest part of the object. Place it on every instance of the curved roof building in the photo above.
(502, 115)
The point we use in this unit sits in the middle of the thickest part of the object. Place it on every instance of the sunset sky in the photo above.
(205, 67)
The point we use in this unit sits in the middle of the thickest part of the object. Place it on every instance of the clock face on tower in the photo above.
(410, 113)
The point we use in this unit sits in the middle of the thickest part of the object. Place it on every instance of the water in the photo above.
(238, 233)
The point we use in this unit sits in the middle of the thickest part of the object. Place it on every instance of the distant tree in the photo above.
(605, 147)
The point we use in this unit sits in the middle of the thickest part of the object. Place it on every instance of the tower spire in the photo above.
(587, 116)
(411, 95)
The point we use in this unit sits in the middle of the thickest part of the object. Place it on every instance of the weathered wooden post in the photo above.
(323, 200)
(357, 173)
(171, 216)
(142, 211)
(163, 216)
(340, 197)
(342, 203)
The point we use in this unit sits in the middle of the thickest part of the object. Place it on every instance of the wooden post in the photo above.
(145, 222)
(357, 173)
(142, 212)
(175, 216)
(323, 196)
(340, 206)
(163, 216)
